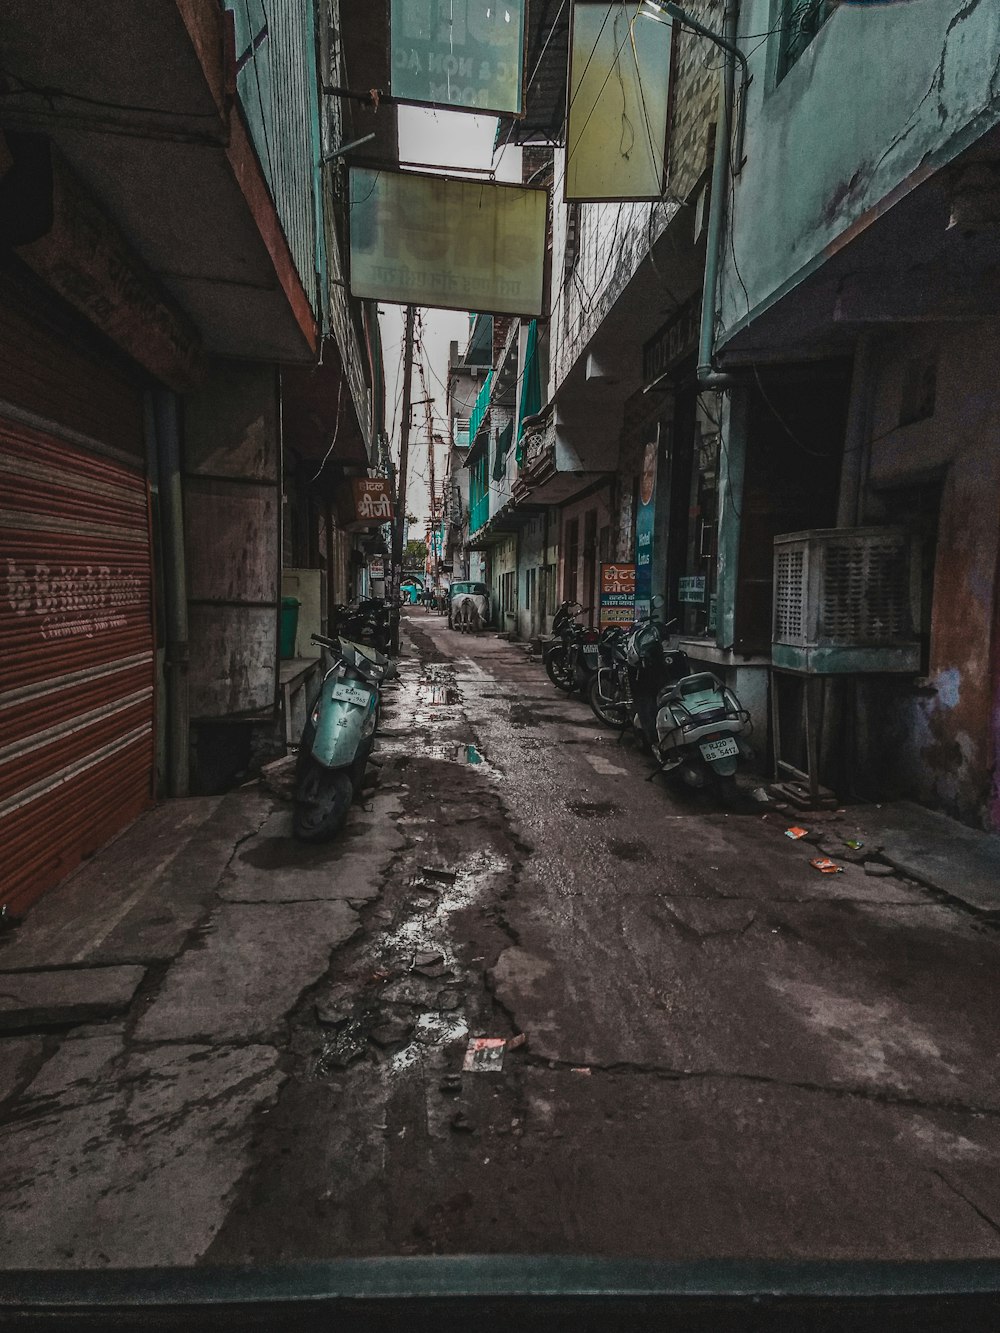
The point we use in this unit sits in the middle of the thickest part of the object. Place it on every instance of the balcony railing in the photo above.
(481, 407)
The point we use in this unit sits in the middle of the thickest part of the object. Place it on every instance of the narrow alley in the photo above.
(710, 1050)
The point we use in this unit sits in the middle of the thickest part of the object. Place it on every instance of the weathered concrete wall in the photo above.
(587, 560)
(881, 93)
(935, 741)
(538, 551)
(232, 505)
(503, 561)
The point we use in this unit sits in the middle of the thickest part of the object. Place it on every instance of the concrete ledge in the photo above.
(66, 997)
(962, 862)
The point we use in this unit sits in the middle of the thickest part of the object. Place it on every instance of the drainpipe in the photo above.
(175, 590)
(708, 376)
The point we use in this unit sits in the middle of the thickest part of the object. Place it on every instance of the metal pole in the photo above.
(404, 450)
(167, 427)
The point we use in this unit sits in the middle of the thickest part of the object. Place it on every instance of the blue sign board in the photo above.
(644, 523)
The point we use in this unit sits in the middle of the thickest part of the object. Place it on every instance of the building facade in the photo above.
(170, 300)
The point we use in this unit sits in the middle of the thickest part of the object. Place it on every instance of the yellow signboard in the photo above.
(619, 91)
(455, 244)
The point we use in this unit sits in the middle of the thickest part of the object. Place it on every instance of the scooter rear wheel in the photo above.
(322, 800)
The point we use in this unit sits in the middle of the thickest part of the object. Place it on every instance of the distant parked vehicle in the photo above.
(468, 606)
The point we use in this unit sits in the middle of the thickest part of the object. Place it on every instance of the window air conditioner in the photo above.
(847, 600)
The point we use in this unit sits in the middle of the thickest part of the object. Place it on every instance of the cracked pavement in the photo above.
(726, 1053)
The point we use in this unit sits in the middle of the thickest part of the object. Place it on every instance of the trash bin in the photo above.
(289, 625)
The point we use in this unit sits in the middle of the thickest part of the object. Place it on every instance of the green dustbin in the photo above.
(289, 625)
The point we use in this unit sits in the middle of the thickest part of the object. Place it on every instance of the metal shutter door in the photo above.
(76, 666)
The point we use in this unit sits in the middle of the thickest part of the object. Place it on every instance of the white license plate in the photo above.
(723, 749)
(591, 651)
(350, 694)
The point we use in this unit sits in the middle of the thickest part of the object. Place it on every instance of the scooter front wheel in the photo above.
(322, 800)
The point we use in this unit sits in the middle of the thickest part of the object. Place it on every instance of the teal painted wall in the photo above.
(880, 92)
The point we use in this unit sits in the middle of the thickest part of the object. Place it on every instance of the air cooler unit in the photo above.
(846, 600)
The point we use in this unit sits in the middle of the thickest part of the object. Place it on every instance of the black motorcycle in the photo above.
(366, 621)
(557, 655)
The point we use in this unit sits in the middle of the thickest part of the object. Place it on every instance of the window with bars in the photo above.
(801, 20)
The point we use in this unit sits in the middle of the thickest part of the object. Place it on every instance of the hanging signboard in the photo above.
(644, 521)
(464, 54)
(618, 94)
(372, 502)
(451, 244)
(617, 594)
(376, 567)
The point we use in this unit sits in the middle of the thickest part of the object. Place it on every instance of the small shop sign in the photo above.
(691, 589)
(617, 594)
(372, 503)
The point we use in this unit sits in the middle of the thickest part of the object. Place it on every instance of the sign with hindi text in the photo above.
(617, 594)
(372, 503)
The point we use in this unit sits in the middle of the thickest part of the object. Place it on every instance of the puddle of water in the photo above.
(443, 694)
(405, 1059)
(427, 930)
(439, 1029)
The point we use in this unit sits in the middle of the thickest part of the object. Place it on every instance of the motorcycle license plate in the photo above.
(723, 749)
(350, 694)
(590, 650)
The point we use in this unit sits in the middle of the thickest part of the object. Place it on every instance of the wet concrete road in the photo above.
(726, 1053)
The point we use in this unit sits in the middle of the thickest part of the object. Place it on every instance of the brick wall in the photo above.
(695, 97)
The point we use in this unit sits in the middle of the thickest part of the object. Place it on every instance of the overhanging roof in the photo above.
(545, 70)
(137, 98)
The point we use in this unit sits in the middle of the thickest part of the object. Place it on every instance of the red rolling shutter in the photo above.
(77, 661)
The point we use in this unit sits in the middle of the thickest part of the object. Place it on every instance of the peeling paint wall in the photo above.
(935, 740)
(881, 93)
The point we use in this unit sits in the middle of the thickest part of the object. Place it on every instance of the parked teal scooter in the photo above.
(338, 737)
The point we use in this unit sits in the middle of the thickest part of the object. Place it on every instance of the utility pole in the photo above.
(429, 419)
(399, 519)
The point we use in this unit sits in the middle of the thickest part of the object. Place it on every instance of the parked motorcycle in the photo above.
(557, 655)
(338, 737)
(365, 621)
